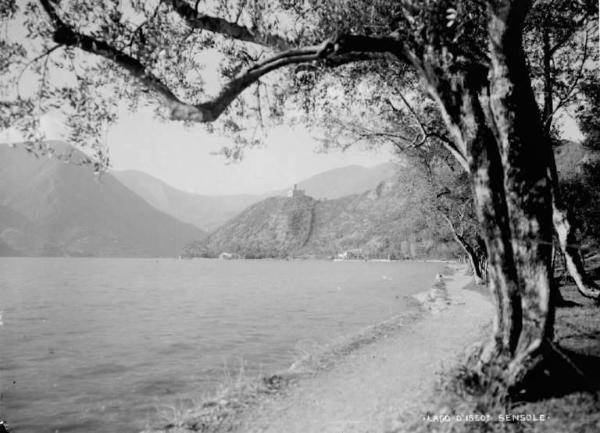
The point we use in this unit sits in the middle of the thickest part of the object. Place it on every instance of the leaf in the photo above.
(451, 15)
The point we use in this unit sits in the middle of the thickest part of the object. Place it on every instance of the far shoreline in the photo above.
(291, 259)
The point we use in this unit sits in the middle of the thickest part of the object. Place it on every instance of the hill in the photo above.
(272, 228)
(51, 208)
(203, 211)
(375, 224)
(344, 181)
(209, 212)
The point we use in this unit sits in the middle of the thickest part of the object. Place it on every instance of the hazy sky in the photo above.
(181, 156)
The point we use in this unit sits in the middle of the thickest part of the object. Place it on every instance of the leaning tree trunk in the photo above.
(475, 260)
(567, 238)
(561, 214)
(557, 297)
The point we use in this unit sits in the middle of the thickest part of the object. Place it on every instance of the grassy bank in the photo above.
(565, 397)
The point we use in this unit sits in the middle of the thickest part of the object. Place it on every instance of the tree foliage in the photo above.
(560, 40)
(165, 54)
(588, 112)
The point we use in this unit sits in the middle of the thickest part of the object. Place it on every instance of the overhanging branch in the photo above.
(233, 30)
(344, 49)
(426, 134)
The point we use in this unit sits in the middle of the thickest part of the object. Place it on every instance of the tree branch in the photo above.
(233, 30)
(460, 239)
(426, 135)
(567, 37)
(32, 61)
(344, 49)
(576, 79)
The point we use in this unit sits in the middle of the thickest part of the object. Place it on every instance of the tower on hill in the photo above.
(295, 192)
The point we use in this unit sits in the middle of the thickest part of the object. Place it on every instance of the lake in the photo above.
(97, 345)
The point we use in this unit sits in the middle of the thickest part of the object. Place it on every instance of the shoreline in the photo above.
(345, 387)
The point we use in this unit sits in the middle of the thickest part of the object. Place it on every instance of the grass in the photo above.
(220, 410)
(565, 397)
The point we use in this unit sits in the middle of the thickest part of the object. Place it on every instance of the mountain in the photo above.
(344, 181)
(203, 211)
(378, 223)
(51, 208)
(209, 212)
(272, 228)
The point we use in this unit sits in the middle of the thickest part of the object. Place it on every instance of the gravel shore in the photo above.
(368, 388)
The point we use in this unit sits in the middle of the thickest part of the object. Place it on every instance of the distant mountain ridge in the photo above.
(345, 181)
(49, 208)
(209, 212)
(202, 211)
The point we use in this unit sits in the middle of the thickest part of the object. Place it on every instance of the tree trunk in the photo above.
(518, 128)
(573, 260)
(492, 212)
(548, 109)
(567, 238)
(494, 120)
(557, 298)
(475, 260)
(561, 214)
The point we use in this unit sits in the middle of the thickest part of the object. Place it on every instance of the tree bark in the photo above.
(492, 212)
(548, 109)
(494, 118)
(466, 120)
(518, 128)
(557, 297)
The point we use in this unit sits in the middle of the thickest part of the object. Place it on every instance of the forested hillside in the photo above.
(377, 224)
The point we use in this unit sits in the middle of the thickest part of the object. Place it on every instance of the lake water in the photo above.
(97, 345)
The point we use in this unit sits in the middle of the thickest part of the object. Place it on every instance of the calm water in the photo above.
(96, 345)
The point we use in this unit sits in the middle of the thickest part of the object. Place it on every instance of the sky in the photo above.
(182, 156)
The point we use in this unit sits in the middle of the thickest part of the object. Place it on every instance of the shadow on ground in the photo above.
(566, 390)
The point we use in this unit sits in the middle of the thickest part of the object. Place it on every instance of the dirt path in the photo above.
(367, 389)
